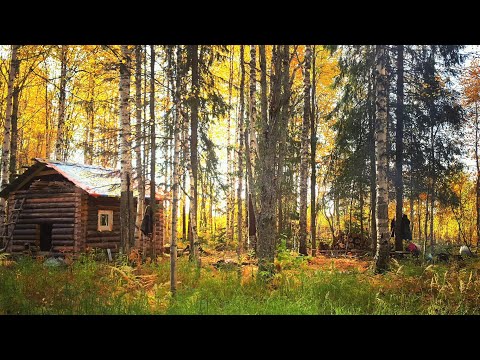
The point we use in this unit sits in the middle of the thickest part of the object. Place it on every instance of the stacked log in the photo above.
(47, 202)
(103, 239)
(351, 241)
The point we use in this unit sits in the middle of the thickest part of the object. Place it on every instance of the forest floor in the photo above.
(301, 285)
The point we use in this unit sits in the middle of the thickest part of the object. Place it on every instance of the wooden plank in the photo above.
(63, 231)
(62, 226)
(63, 237)
(49, 200)
(47, 194)
(42, 209)
(103, 233)
(25, 237)
(47, 172)
(65, 214)
(25, 226)
(62, 242)
(24, 231)
(103, 239)
(46, 220)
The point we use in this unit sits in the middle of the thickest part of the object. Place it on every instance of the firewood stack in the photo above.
(350, 242)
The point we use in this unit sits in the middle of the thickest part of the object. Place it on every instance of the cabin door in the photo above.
(46, 237)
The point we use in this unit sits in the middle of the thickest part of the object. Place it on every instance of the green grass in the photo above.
(90, 287)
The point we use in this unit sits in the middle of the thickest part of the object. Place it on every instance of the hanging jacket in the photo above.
(147, 223)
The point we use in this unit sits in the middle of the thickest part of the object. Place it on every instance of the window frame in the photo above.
(109, 214)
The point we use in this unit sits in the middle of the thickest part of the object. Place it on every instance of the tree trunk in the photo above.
(14, 132)
(425, 226)
(169, 157)
(477, 163)
(176, 178)
(313, 155)
(373, 170)
(251, 151)
(193, 153)
(282, 145)
(432, 195)
(240, 153)
(383, 234)
(203, 207)
(183, 201)
(411, 217)
(432, 113)
(270, 130)
(304, 151)
(419, 208)
(59, 145)
(153, 148)
(138, 145)
(12, 74)
(127, 219)
(230, 191)
(399, 152)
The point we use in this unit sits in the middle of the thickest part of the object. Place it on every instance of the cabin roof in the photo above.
(95, 180)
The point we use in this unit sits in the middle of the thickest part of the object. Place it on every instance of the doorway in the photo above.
(45, 237)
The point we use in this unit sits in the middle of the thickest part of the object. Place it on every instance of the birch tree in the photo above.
(12, 75)
(59, 144)
(127, 219)
(383, 234)
(176, 177)
(138, 143)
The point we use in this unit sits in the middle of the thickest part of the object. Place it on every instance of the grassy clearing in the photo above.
(309, 286)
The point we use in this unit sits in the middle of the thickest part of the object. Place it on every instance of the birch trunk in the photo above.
(176, 179)
(477, 163)
(229, 230)
(59, 145)
(127, 219)
(14, 131)
(13, 72)
(383, 234)
(138, 145)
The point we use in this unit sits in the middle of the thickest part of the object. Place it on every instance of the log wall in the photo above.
(47, 202)
(146, 246)
(103, 239)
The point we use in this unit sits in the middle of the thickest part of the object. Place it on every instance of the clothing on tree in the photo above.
(147, 223)
(406, 232)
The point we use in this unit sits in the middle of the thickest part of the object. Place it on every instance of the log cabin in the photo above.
(58, 207)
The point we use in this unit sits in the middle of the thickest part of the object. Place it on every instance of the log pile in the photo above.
(350, 241)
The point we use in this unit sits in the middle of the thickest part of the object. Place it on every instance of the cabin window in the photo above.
(105, 220)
